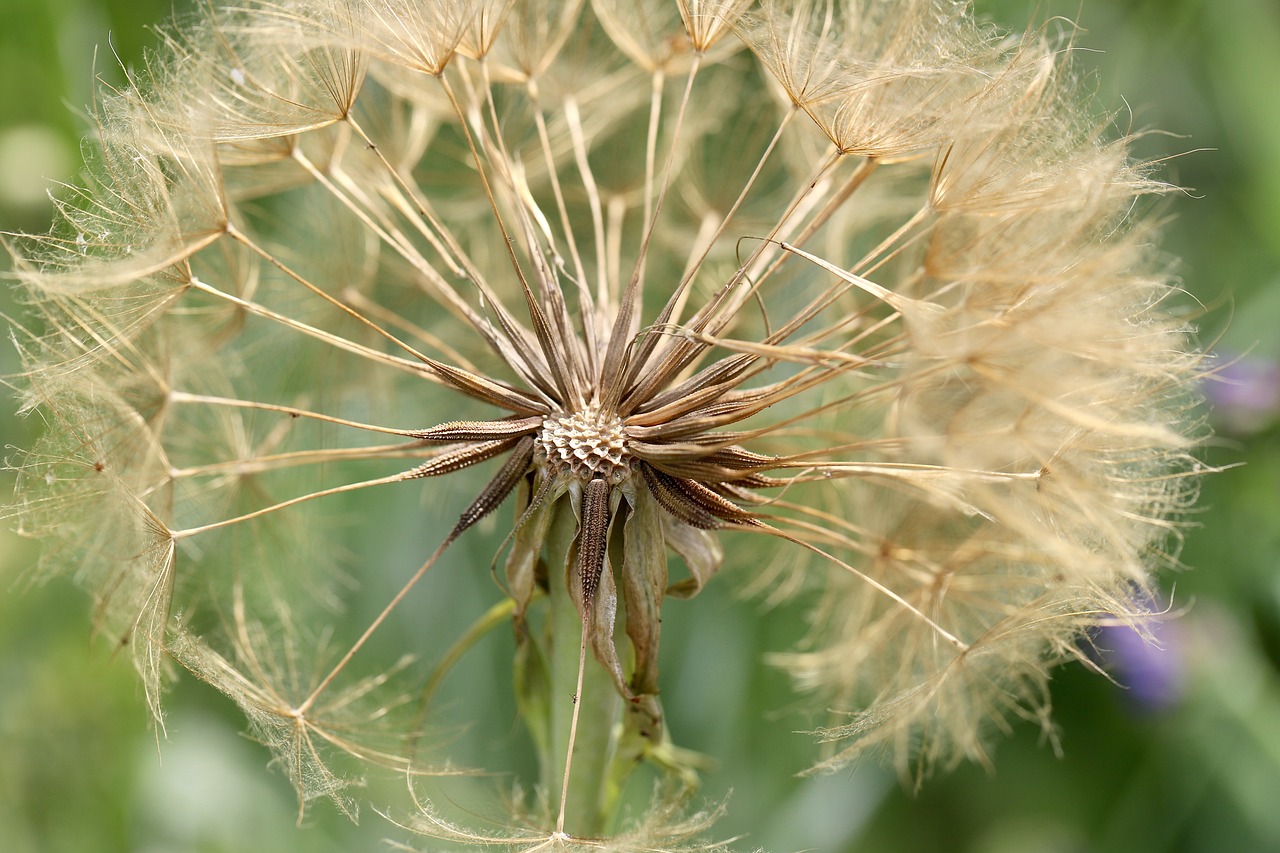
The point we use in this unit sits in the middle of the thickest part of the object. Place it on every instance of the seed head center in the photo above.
(586, 444)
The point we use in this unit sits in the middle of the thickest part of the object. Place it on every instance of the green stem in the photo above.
(591, 798)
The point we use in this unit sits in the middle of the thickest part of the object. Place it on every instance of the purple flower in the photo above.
(1148, 663)
(1245, 393)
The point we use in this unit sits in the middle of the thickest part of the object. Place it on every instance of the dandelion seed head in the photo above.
(863, 279)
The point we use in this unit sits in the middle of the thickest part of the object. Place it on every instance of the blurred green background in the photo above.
(1187, 758)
